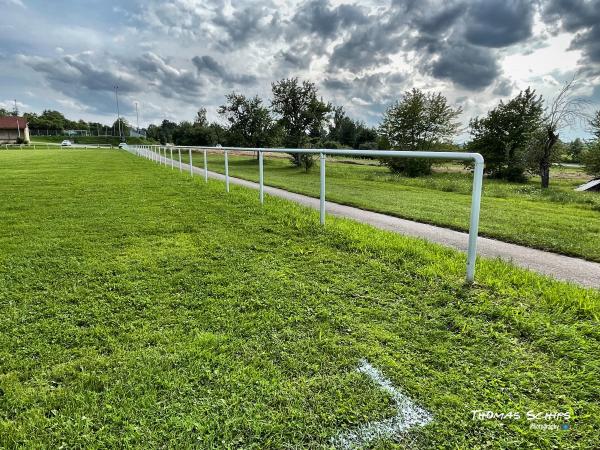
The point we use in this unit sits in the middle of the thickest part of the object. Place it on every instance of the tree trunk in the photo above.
(546, 157)
(545, 173)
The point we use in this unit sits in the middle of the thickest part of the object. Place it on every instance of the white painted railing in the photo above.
(52, 145)
(158, 154)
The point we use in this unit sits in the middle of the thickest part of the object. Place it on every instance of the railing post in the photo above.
(205, 167)
(261, 178)
(191, 166)
(226, 172)
(172, 162)
(474, 221)
(180, 167)
(322, 191)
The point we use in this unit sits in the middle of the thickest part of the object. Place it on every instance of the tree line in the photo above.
(55, 122)
(518, 138)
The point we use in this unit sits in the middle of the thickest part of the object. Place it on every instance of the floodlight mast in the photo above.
(118, 112)
(475, 158)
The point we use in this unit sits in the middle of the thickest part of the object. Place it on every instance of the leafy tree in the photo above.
(302, 114)
(591, 158)
(503, 136)
(348, 132)
(575, 150)
(366, 137)
(418, 122)
(250, 123)
(595, 125)
(542, 151)
(124, 127)
(3, 112)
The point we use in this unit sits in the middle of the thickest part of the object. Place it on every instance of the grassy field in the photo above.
(141, 307)
(558, 219)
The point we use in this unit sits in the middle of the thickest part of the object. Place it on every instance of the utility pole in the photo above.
(137, 116)
(16, 110)
(118, 112)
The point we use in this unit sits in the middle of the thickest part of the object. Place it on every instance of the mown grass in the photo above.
(557, 219)
(144, 308)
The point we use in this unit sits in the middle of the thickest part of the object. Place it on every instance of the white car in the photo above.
(123, 145)
(66, 143)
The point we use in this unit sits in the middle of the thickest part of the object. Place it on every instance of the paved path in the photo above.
(566, 268)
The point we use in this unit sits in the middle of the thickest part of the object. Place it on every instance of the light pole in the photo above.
(118, 112)
(137, 117)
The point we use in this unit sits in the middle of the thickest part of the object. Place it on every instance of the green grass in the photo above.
(557, 219)
(143, 308)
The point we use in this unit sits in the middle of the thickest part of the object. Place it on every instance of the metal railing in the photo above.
(158, 154)
(52, 145)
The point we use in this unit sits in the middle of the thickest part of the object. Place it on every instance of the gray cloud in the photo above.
(209, 66)
(168, 80)
(319, 18)
(466, 65)
(250, 24)
(78, 77)
(498, 23)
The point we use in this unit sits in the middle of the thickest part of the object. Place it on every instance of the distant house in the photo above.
(13, 130)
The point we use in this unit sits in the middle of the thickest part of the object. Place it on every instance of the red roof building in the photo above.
(13, 130)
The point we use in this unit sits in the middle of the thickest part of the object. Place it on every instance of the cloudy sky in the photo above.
(174, 56)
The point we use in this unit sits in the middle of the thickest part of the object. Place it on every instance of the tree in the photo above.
(302, 114)
(564, 111)
(3, 112)
(541, 152)
(250, 123)
(575, 150)
(595, 125)
(591, 158)
(124, 128)
(418, 122)
(503, 136)
(200, 119)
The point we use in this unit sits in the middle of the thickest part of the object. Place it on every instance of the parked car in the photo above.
(66, 143)
(123, 145)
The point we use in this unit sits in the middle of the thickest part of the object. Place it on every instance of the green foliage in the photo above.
(557, 219)
(150, 321)
(591, 159)
(537, 150)
(595, 125)
(418, 122)
(122, 127)
(347, 132)
(250, 123)
(301, 113)
(503, 136)
(575, 150)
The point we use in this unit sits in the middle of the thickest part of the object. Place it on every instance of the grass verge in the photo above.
(557, 220)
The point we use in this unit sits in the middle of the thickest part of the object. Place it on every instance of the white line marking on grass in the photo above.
(408, 415)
